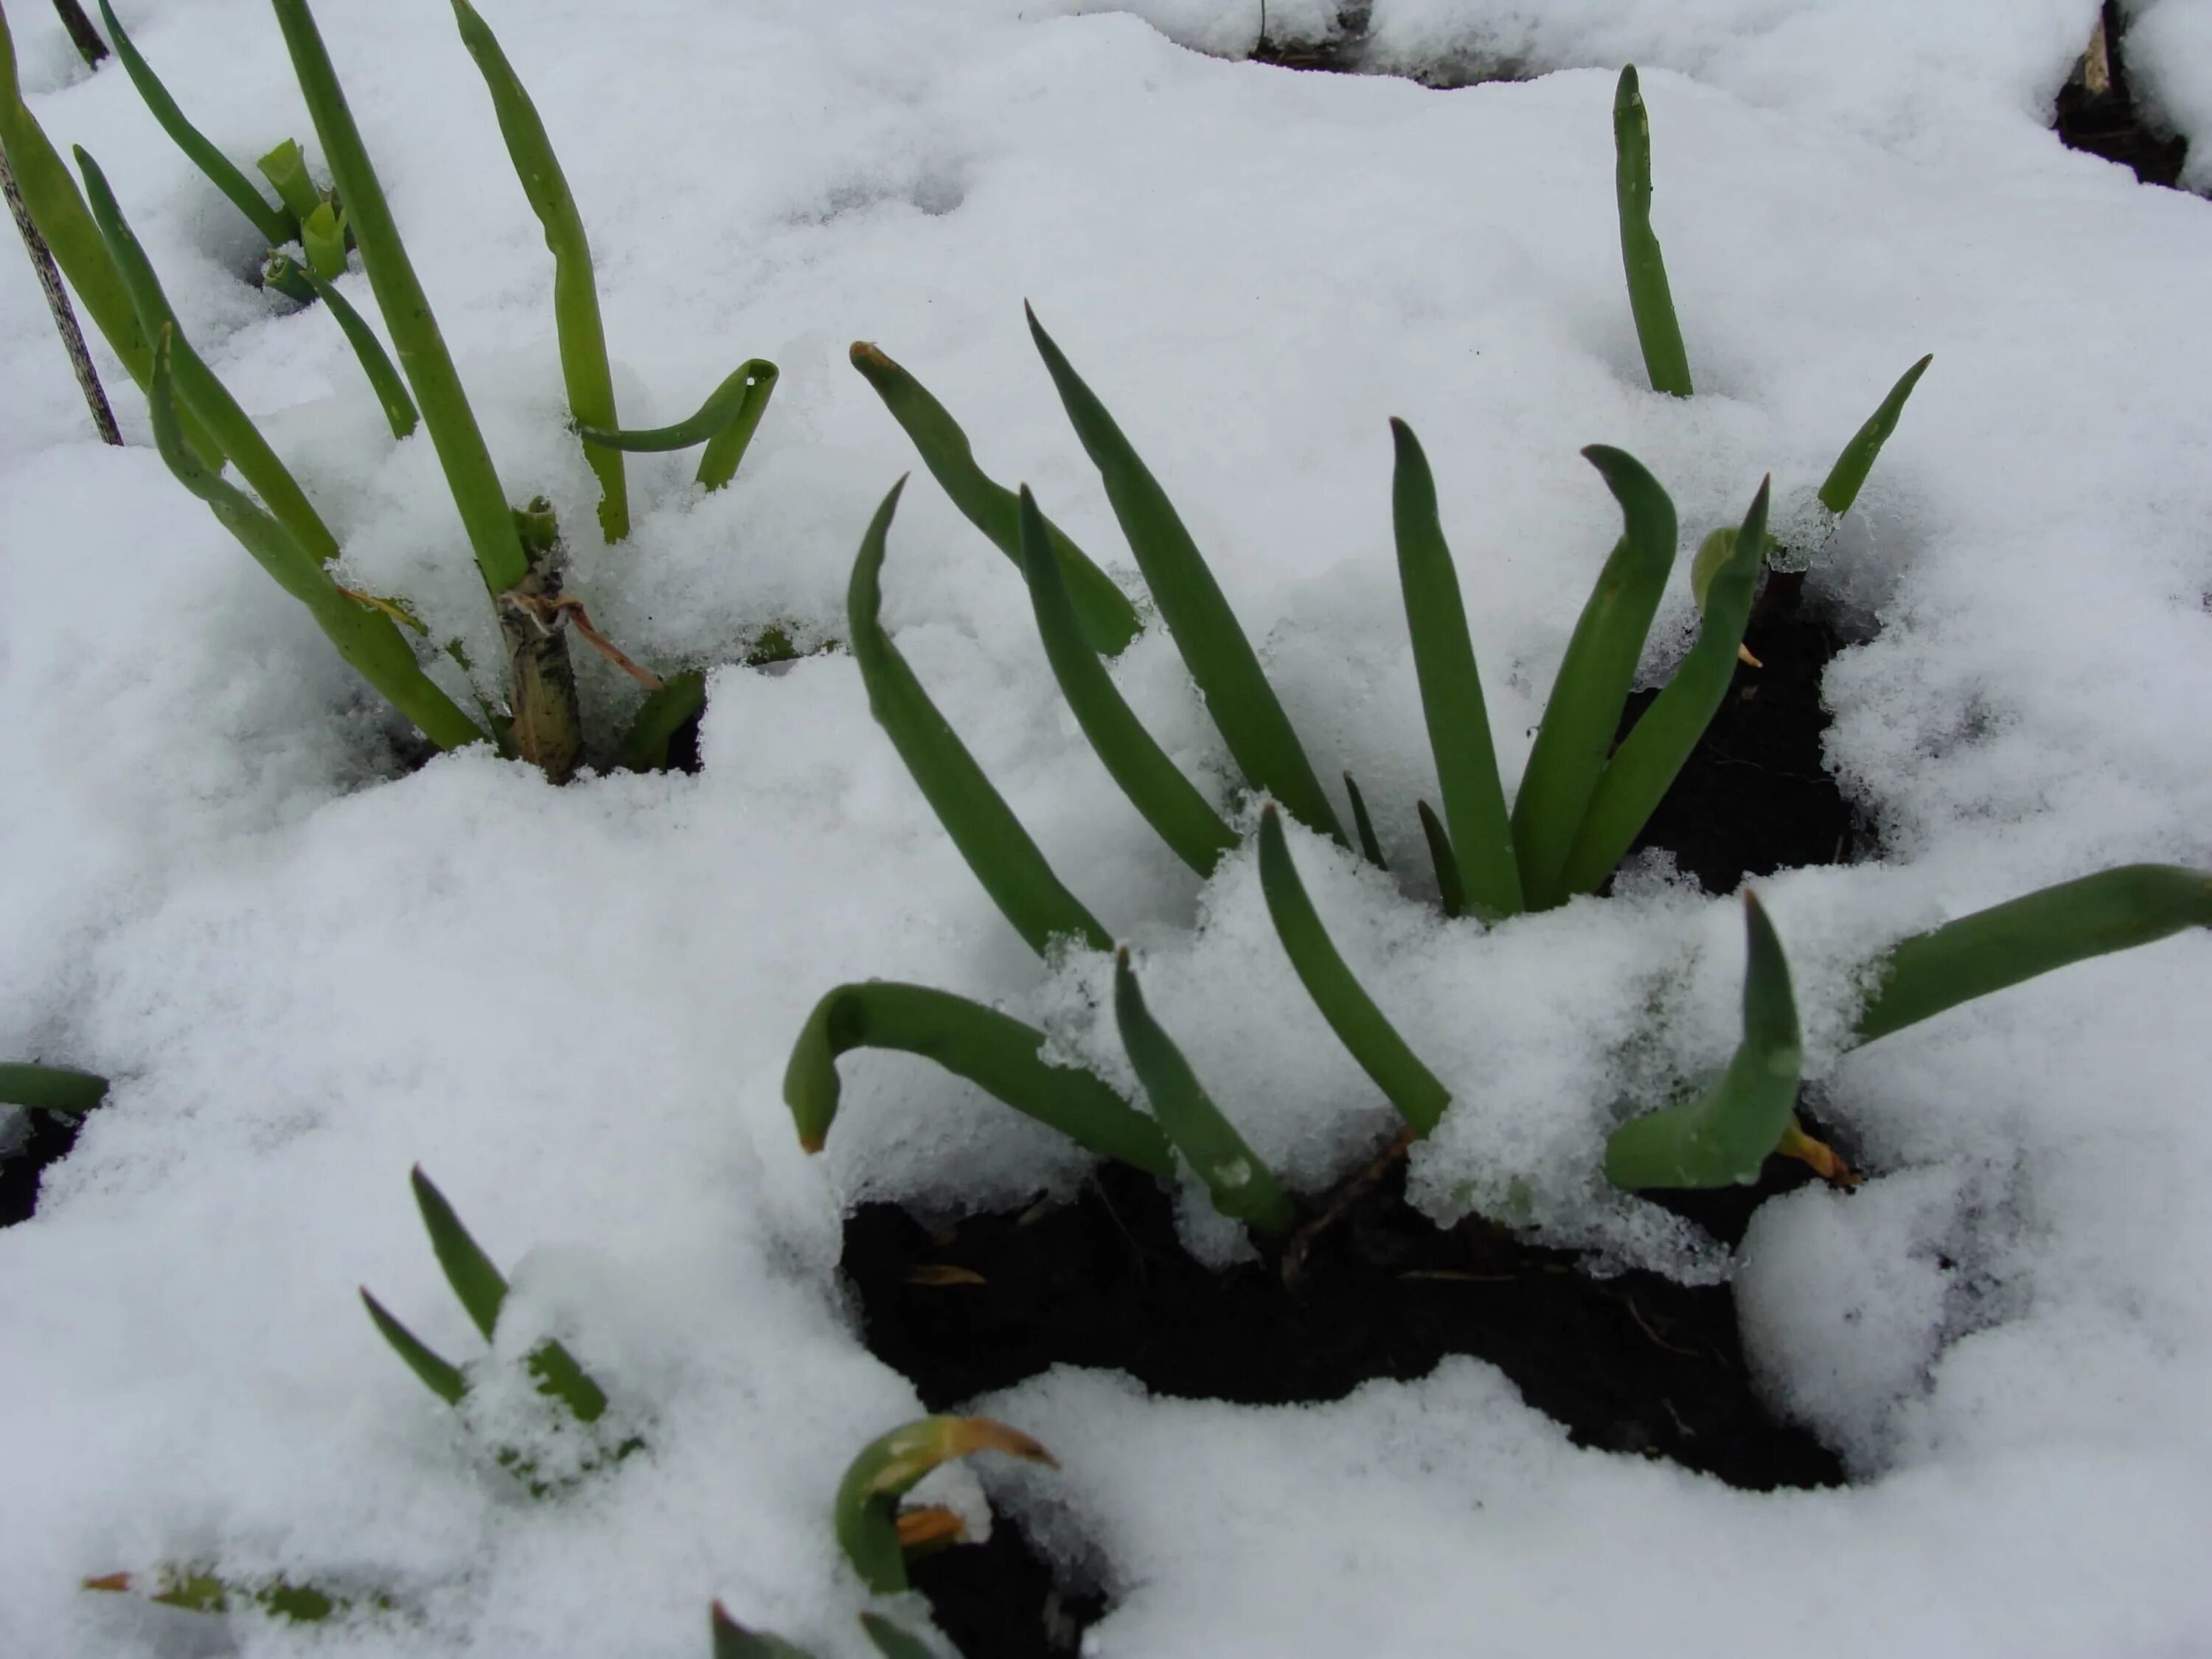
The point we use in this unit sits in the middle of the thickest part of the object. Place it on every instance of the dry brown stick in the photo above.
(57, 301)
(90, 46)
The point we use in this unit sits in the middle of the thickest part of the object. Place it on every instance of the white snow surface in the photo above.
(307, 968)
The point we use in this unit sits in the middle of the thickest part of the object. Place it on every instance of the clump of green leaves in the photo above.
(1585, 794)
(519, 550)
(206, 1590)
(480, 1289)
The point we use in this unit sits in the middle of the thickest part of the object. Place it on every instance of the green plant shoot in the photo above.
(1641, 769)
(998, 1054)
(982, 826)
(1583, 712)
(1724, 1137)
(276, 225)
(399, 412)
(1240, 1186)
(575, 294)
(50, 1088)
(724, 424)
(865, 1512)
(1451, 890)
(467, 463)
(368, 639)
(1109, 620)
(1213, 645)
(1362, 1027)
(1648, 298)
(1451, 689)
(1168, 801)
(1849, 475)
(2116, 909)
(1370, 847)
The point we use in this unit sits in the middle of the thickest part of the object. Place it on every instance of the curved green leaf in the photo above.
(1849, 475)
(1644, 766)
(50, 1088)
(276, 227)
(1451, 890)
(1451, 689)
(1361, 1026)
(383, 378)
(1206, 632)
(1370, 847)
(1595, 676)
(367, 640)
(865, 1512)
(2115, 909)
(1722, 1138)
(1242, 1187)
(725, 423)
(982, 826)
(996, 1053)
(1109, 620)
(441, 1375)
(1170, 803)
(1649, 300)
(680, 698)
(479, 1286)
(462, 454)
(576, 296)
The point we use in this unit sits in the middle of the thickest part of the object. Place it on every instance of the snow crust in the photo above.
(307, 969)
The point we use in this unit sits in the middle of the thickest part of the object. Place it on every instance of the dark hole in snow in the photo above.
(39, 1140)
(2106, 122)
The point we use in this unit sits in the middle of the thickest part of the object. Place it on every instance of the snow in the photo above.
(308, 969)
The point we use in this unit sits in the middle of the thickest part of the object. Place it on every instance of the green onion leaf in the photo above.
(440, 1376)
(367, 640)
(1109, 620)
(1371, 848)
(286, 169)
(1168, 801)
(1850, 472)
(2113, 910)
(734, 1641)
(982, 826)
(1722, 1138)
(1344, 1003)
(1648, 298)
(996, 1053)
(866, 1513)
(1451, 689)
(1644, 766)
(276, 227)
(1213, 647)
(323, 239)
(50, 1088)
(725, 423)
(680, 698)
(1451, 891)
(202, 394)
(1594, 680)
(1242, 1187)
(470, 474)
(576, 296)
(383, 378)
(478, 1285)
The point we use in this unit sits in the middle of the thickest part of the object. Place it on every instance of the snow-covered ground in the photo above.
(572, 1006)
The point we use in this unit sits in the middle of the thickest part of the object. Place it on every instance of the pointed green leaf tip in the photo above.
(1184, 819)
(1722, 1138)
(1849, 475)
(1242, 1187)
(441, 1375)
(1362, 1027)
(478, 1285)
(995, 1051)
(734, 1641)
(1244, 706)
(1649, 300)
(1009, 864)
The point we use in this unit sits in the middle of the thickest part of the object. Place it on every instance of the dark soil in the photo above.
(50, 1136)
(998, 1598)
(1754, 797)
(2107, 124)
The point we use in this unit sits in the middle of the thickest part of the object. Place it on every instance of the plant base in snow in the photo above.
(1635, 1363)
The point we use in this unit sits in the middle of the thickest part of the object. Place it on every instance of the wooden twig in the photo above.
(57, 302)
(90, 46)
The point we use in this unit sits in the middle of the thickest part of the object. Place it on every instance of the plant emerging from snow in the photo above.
(517, 551)
(1581, 802)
